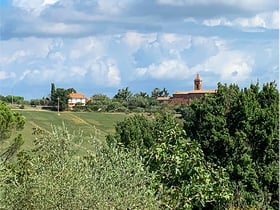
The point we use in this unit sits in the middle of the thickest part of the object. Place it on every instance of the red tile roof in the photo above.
(195, 91)
(76, 95)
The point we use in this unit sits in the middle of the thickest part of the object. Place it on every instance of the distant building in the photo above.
(75, 98)
(185, 97)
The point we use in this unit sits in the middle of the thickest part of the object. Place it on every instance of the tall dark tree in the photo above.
(61, 97)
(239, 130)
(53, 92)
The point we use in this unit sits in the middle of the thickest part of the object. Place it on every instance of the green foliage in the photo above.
(9, 121)
(123, 94)
(239, 131)
(182, 177)
(53, 176)
(60, 96)
(159, 93)
(14, 99)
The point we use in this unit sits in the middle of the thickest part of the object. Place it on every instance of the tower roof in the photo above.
(197, 77)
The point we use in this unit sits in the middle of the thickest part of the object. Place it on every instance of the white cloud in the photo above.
(104, 71)
(232, 66)
(268, 20)
(27, 48)
(7, 75)
(60, 28)
(168, 69)
(111, 7)
(85, 46)
(57, 56)
(113, 77)
(134, 39)
(16, 56)
(24, 74)
(34, 7)
(217, 22)
(78, 72)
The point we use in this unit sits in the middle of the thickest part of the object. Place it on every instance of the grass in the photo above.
(92, 123)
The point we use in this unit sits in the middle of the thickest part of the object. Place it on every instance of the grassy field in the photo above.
(92, 123)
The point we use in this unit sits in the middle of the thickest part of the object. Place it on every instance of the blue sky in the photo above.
(100, 46)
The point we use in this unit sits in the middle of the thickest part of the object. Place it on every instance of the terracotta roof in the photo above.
(195, 91)
(76, 95)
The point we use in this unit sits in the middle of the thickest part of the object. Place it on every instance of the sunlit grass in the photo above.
(90, 124)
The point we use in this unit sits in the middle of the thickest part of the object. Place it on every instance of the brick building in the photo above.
(184, 97)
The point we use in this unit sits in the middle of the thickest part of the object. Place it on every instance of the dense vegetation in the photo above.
(239, 131)
(10, 123)
(226, 155)
(54, 176)
(221, 153)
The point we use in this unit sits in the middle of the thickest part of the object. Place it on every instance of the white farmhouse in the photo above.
(75, 98)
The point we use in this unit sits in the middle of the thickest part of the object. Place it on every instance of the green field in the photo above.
(90, 123)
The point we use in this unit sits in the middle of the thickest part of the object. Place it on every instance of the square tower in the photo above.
(197, 83)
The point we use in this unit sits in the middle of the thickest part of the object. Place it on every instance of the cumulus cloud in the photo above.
(135, 39)
(101, 43)
(268, 20)
(104, 71)
(231, 66)
(168, 69)
(34, 7)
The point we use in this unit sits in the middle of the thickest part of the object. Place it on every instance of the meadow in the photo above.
(90, 124)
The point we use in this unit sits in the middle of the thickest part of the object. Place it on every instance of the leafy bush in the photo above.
(182, 177)
(55, 176)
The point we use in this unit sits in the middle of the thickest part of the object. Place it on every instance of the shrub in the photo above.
(54, 176)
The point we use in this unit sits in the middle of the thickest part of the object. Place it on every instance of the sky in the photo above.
(101, 46)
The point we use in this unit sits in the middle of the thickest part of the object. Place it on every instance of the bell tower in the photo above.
(197, 83)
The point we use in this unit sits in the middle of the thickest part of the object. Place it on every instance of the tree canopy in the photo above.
(238, 129)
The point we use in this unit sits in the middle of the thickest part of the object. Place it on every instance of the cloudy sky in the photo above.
(100, 46)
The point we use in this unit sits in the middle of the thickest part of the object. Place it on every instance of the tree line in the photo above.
(123, 101)
(219, 152)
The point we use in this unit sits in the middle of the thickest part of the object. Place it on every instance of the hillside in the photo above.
(93, 123)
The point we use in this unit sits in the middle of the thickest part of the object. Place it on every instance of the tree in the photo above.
(239, 131)
(123, 94)
(182, 177)
(14, 99)
(61, 96)
(159, 93)
(10, 123)
(71, 90)
(138, 100)
(98, 102)
(53, 89)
